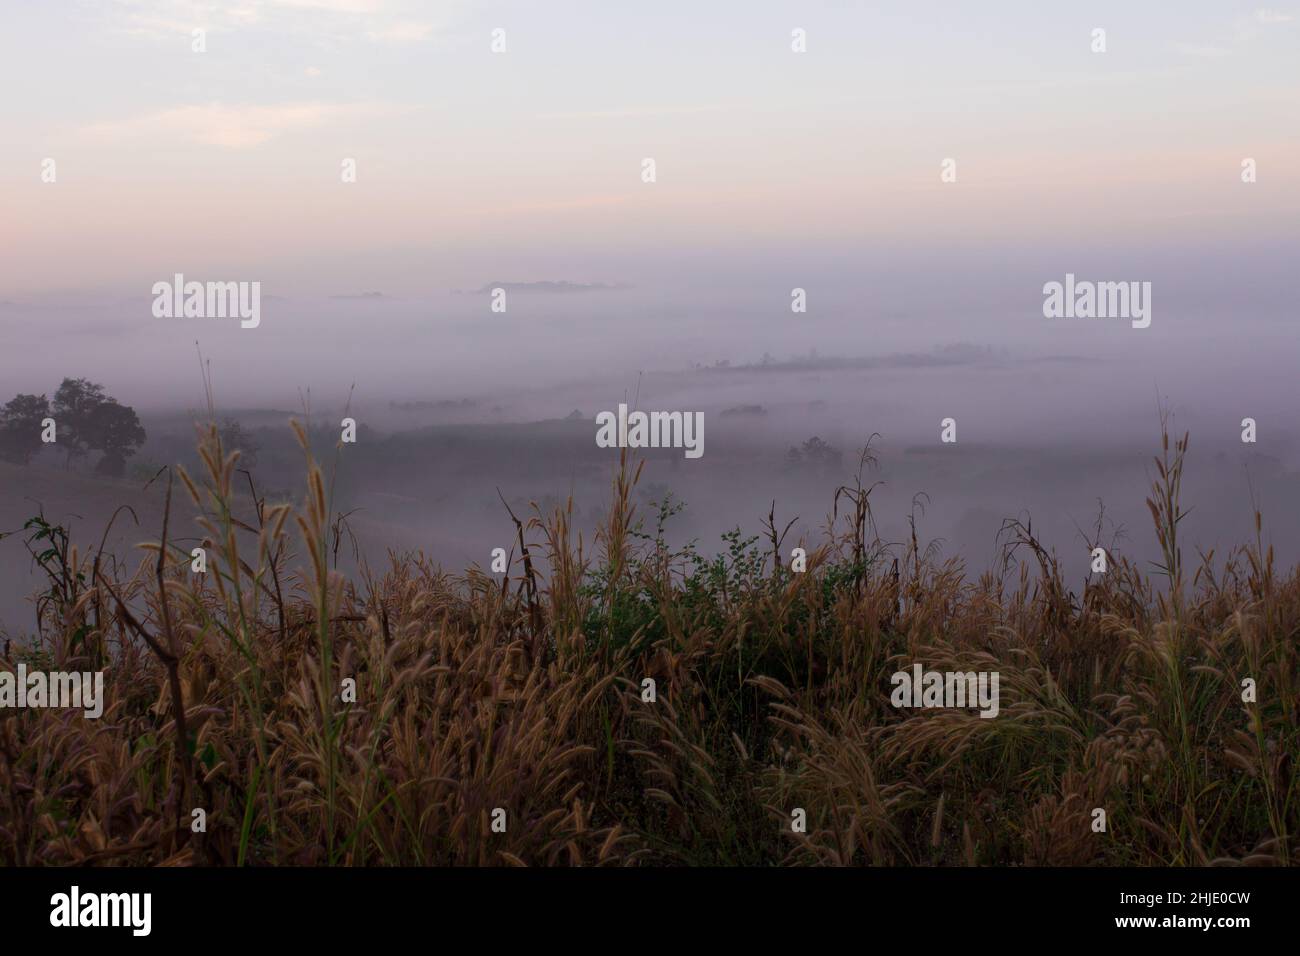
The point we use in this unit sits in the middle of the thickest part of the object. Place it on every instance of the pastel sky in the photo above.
(474, 167)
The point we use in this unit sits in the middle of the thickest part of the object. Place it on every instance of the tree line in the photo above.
(82, 418)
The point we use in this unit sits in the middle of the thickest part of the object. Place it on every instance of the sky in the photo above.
(775, 169)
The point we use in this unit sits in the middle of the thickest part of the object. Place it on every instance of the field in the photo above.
(627, 701)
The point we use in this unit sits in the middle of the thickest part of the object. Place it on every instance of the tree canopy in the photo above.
(20, 427)
(87, 419)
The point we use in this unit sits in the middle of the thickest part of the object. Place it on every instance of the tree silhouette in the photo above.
(817, 453)
(235, 436)
(20, 427)
(90, 420)
(114, 430)
(73, 403)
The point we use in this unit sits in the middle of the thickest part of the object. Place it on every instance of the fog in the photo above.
(1222, 321)
(1041, 437)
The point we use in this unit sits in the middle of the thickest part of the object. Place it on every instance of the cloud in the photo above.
(1246, 29)
(163, 19)
(403, 31)
(633, 113)
(1207, 50)
(1267, 15)
(379, 21)
(334, 6)
(231, 127)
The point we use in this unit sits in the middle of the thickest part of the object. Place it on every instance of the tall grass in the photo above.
(525, 694)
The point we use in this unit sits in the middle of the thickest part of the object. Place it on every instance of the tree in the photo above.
(822, 453)
(73, 403)
(815, 453)
(90, 420)
(235, 437)
(116, 431)
(20, 427)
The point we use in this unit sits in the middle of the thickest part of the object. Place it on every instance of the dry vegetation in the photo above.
(473, 692)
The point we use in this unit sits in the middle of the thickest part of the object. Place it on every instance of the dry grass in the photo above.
(525, 694)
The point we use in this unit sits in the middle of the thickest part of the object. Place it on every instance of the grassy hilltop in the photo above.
(383, 719)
